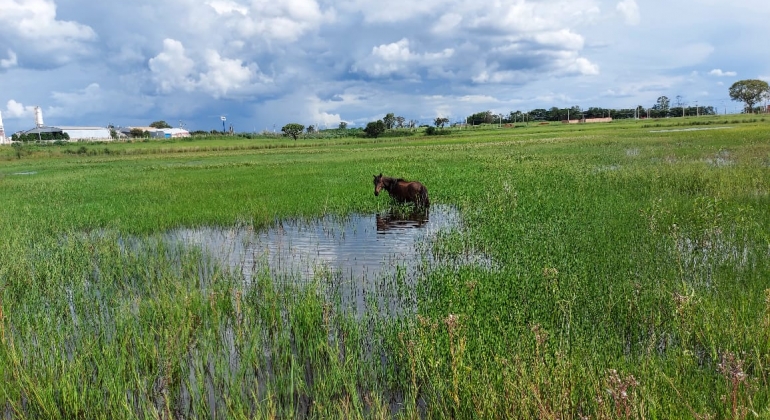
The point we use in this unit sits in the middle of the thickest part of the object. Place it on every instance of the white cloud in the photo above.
(521, 16)
(18, 110)
(225, 75)
(564, 39)
(223, 7)
(720, 73)
(171, 69)
(214, 75)
(9, 62)
(32, 28)
(397, 58)
(630, 11)
(582, 66)
(279, 20)
(394, 11)
(396, 51)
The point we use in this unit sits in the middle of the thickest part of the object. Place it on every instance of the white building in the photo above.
(158, 133)
(74, 133)
(87, 133)
(171, 133)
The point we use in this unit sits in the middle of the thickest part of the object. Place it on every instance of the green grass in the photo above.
(631, 281)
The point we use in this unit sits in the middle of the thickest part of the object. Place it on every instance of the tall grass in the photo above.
(628, 279)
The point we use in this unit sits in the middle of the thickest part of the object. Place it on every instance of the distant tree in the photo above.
(440, 121)
(680, 105)
(400, 121)
(137, 133)
(293, 129)
(596, 112)
(343, 125)
(516, 116)
(661, 107)
(556, 114)
(750, 92)
(389, 120)
(159, 124)
(575, 113)
(374, 128)
(485, 117)
(310, 129)
(413, 123)
(538, 114)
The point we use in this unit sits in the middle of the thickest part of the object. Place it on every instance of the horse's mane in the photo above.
(391, 180)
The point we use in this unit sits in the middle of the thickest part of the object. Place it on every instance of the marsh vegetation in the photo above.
(607, 271)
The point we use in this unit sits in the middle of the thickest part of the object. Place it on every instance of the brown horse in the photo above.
(402, 191)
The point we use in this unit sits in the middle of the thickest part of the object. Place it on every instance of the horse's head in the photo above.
(378, 185)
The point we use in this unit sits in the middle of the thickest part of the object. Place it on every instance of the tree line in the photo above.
(662, 109)
(750, 92)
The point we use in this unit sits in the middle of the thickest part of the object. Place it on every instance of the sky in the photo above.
(263, 64)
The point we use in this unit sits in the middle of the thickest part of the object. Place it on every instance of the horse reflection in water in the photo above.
(402, 191)
(395, 220)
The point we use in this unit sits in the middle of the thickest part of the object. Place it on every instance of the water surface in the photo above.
(359, 245)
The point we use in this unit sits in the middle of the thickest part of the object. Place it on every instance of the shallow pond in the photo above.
(357, 246)
(358, 257)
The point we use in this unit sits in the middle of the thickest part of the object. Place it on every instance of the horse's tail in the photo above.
(424, 197)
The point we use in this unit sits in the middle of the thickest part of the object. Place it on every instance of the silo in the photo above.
(2, 130)
(38, 117)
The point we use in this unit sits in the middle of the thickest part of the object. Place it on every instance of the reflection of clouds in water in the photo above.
(356, 246)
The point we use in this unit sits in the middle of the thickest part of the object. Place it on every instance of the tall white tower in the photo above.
(3, 139)
(38, 117)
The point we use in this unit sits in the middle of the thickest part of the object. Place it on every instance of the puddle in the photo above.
(360, 256)
(721, 159)
(359, 246)
(702, 256)
(688, 129)
(25, 173)
(606, 168)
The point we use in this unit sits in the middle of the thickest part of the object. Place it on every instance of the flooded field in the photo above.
(360, 256)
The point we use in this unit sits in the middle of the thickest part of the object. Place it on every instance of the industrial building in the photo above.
(171, 133)
(87, 133)
(73, 133)
(76, 133)
(158, 133)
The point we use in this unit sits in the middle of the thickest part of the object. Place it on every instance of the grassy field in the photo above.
(632, 279)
